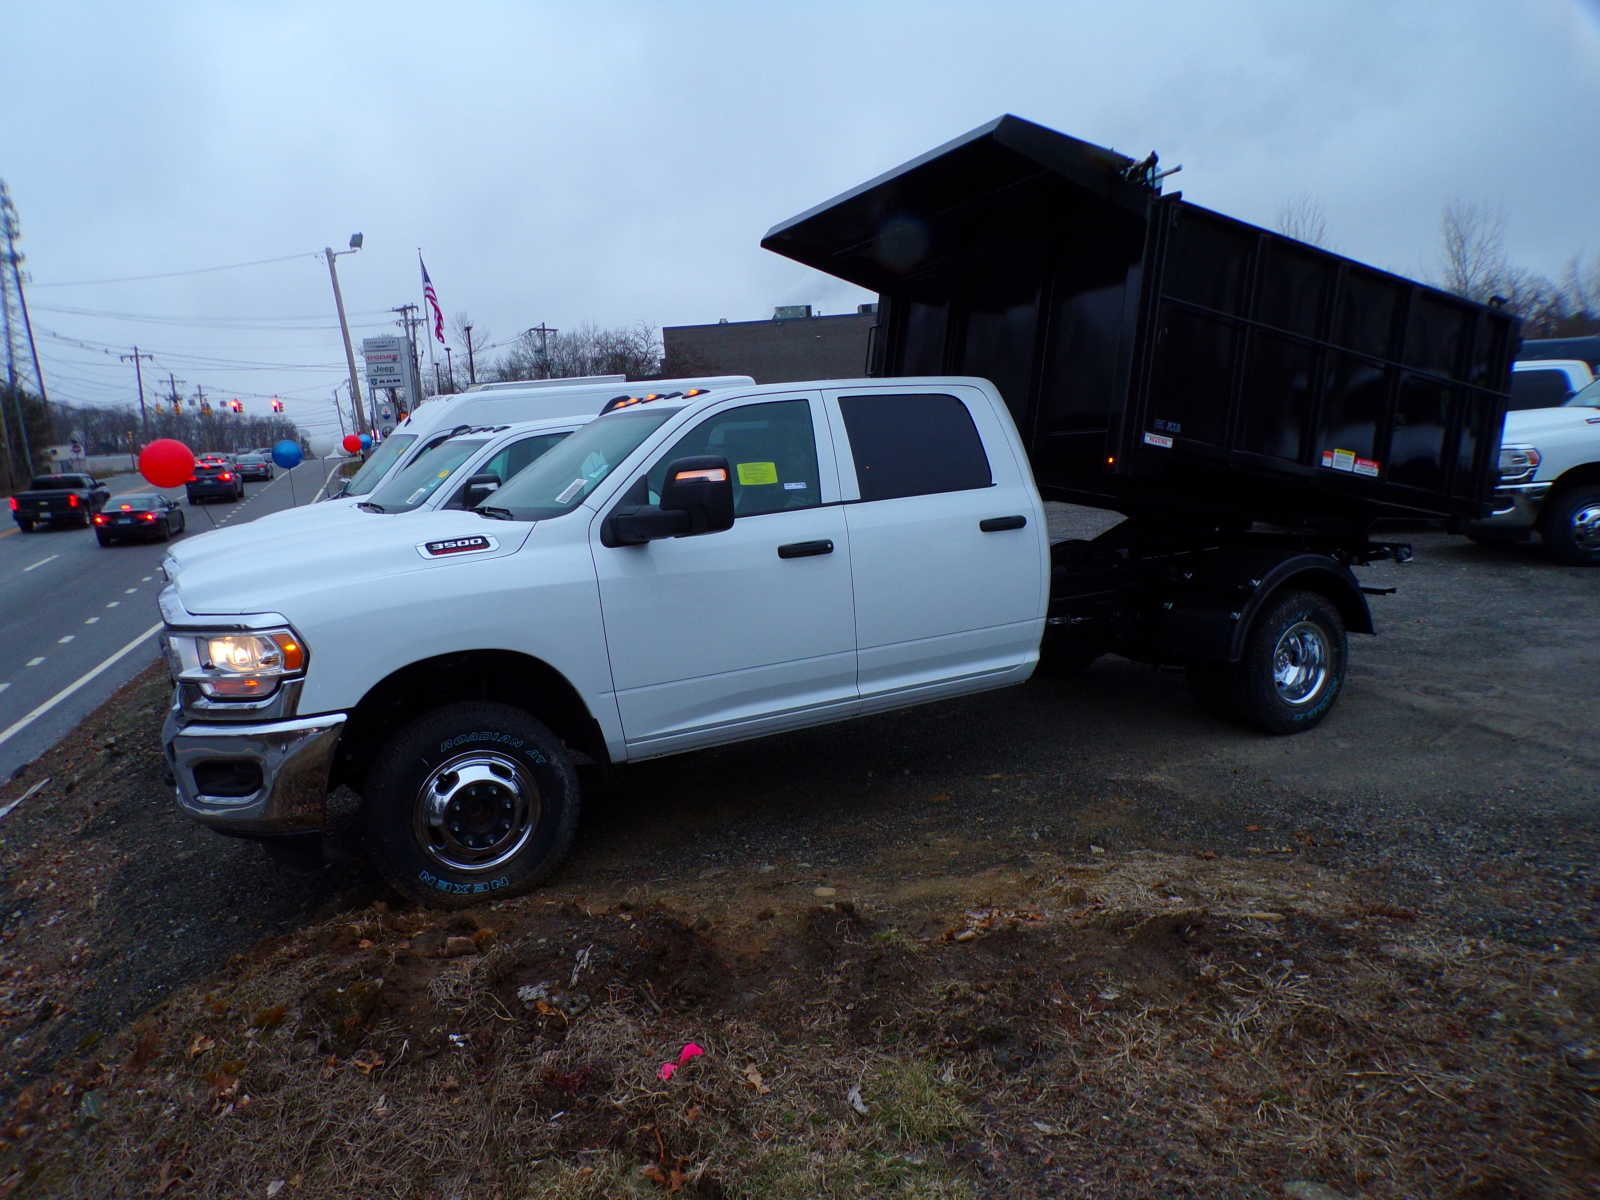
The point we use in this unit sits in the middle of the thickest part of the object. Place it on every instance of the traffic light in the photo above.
(277, 405)
(236, 405)
(177, 407)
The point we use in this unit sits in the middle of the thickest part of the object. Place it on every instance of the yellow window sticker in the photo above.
(757, 473)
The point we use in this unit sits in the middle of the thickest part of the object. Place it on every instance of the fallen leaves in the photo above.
(753, 1078)
(199, 1044)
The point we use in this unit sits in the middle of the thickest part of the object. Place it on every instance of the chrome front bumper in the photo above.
(293, 758)
(1515, 506)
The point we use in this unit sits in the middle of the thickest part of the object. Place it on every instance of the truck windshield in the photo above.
(558, 482)
(374, 469)
(410, 487)
(1589, 397)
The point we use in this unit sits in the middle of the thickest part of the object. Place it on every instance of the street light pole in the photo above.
(344, 326)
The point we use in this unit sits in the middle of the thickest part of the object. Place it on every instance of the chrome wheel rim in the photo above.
(1300, 663)
(1586, 527)
(476, 811)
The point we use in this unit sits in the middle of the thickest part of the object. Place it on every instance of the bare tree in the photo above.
(1302, 218)
(1473, 238)
(634, 351)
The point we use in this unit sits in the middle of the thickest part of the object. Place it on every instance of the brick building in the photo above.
(793, 345)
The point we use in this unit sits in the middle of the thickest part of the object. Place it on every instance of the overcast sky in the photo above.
(618, 163)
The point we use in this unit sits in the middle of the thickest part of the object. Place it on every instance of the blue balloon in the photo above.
(366, 441)
(287, 454)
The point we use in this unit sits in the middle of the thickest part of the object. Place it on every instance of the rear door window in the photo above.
(914, 444)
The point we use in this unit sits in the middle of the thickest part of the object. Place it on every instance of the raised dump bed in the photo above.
(1161, 359)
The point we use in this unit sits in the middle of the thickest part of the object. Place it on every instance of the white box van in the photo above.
(540, 398)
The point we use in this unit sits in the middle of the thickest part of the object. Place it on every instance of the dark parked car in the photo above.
(58, 500)
(214, 480)
(254, 466)
(138, 516)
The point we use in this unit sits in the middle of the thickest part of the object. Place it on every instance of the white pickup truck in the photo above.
(675, 575)
(458, 473)
(1550, 480)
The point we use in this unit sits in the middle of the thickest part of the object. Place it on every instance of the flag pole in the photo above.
(422, 267)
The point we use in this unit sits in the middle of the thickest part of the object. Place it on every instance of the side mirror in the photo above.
(703, 488)
(697, 497)
(479, 488)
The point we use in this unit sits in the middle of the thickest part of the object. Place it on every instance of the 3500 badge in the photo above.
(450, 547)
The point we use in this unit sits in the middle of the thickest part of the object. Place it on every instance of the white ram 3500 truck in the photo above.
(1550, 480)
(674, 575)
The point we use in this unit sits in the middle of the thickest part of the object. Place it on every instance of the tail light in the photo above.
(147, 516)
(14, 504)
(225, 476)
(99, 519)
(72, 499)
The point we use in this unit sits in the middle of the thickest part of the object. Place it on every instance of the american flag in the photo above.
(432, 297)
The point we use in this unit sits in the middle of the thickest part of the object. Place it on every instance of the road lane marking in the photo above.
(147, 579)
(4, 686)
(33, 662)
(91, 620)
(129, 591)
(65, 640)
(7, 809)
(23, 722)
(9, 532)
(40, 563)
(114, 603)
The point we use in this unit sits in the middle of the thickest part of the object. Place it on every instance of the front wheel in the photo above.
(1293, 666)
(1572, 526)
(470, 802)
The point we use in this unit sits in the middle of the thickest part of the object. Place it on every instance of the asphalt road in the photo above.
(69, 608)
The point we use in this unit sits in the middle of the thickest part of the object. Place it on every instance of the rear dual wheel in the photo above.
(1291, 672)
(473, 801)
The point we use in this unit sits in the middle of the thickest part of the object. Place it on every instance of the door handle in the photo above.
(805, 549)
(996, 524)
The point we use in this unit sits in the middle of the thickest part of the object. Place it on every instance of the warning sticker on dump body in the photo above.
(1339, 460)
(1366, 466)
(1158, 439)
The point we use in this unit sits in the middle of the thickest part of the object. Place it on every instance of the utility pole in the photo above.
(472, 373)
(544, 332)
(338, 411)
(144, 417)
(344, 325)
(438, 381)
(9, 287)
(409, 324)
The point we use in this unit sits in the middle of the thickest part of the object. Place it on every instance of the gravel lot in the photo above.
(1455, 781)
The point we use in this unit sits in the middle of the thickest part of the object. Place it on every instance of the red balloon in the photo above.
(166, 462)
(351, 443)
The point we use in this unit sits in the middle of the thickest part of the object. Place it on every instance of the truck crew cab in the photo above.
(685, 572)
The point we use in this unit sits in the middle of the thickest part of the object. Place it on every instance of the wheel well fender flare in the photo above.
(1305, 573)
(506, 676)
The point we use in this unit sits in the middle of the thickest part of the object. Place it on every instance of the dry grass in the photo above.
(1148, 1026)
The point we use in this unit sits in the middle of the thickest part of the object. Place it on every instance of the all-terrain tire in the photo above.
(473, 801)
(1571, 526)
(1293, 666)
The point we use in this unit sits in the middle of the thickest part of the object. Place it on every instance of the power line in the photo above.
(176, 274)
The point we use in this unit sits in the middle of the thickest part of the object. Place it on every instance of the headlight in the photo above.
(1518, 463)
(237, 666)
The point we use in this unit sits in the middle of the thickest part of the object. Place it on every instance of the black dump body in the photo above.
(1161, 359)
